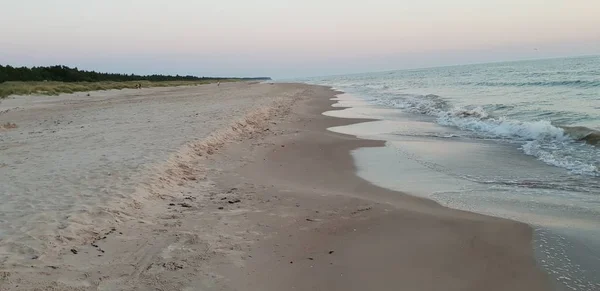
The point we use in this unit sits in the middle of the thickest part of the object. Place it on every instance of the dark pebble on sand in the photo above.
(234, 201)
(308, 219)
(185, 205)
(74, 251)
(291, 262)
(330, 252)
(311, 259)
(221, 208)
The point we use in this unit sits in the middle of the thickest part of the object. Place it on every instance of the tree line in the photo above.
(66, 74)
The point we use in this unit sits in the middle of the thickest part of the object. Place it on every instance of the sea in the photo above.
(519, 140)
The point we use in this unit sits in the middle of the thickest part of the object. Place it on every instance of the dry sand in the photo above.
(264, 198)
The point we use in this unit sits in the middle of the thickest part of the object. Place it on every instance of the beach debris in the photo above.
(9, 125)
(312, 259)
(234, 201)
(172, 266)
(221, 207)
(330, 252)
(171, 204)
(185, 205)
(362, 209)
(74, 251)
(308, 219)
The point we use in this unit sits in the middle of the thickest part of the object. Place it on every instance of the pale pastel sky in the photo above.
(283, 39)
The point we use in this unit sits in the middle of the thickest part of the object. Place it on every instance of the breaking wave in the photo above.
(569, 83)
(567, 147)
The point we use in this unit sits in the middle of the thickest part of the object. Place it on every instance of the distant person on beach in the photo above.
(218, 83)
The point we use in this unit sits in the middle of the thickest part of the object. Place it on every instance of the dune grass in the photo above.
(55, 88)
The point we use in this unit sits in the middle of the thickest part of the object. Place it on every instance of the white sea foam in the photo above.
(547, 142)
(562, 155)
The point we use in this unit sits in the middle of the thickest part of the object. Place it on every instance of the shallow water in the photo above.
(488, 168)
(486, 176)
(550, 107)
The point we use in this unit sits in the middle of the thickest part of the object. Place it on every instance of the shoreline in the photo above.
(467, 173)
(462, 250)
(281, 208)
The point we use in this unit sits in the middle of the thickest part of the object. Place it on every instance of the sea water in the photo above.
(519, 140)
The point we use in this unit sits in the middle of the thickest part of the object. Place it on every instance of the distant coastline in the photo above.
(54, 80)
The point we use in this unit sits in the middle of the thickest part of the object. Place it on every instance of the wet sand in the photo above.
(270, 200)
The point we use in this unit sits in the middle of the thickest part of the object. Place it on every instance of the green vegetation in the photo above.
(61, 79)
(55, 88)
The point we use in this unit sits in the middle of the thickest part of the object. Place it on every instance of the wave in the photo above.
(564, 155)
(566, 83)
(476, 119)
(584, 134)
(566, 147)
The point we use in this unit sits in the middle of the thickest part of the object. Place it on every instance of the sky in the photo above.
(287, 39)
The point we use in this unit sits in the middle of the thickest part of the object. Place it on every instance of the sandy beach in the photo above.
(231, 187)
